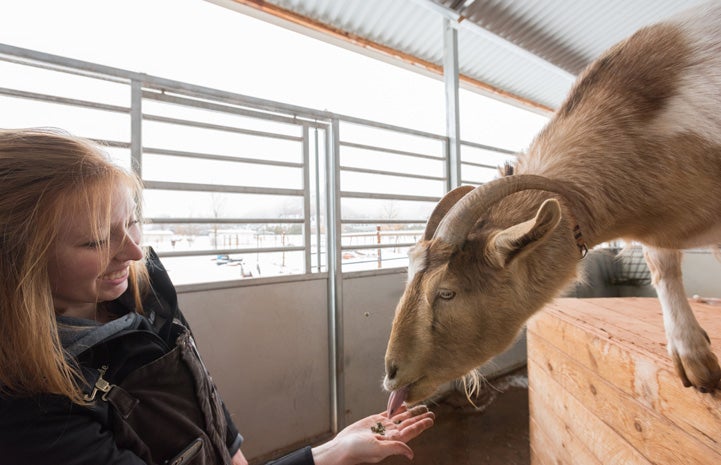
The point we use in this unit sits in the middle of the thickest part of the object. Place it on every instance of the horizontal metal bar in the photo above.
(206, 105)
(397, 270)
(111, 143)
(480, 165)
(465, 182)
(198, 253)
(379, 221)
(257, 281)
(386, 262)
(224, 220)
(393, 151)
(63, 100)
(162, 84)
(41, 59)
(390, 127)
(210, 156)
(64, 70)
(377, 246)
(368, 195)
(300, 114)
(488, 147)
(182, 186)
(391, 173)
(219, 127)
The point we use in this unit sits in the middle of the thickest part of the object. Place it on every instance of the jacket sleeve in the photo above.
(50, 429)
(302, 456)
(167, 303)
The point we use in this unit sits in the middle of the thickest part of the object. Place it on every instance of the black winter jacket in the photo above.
(50, 429)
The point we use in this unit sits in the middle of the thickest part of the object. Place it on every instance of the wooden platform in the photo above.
(603, 391)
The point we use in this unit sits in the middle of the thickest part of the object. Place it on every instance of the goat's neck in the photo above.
(553, 264)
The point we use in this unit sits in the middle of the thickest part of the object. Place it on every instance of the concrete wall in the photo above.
(701, 274)
(266, 347)
(368, 306)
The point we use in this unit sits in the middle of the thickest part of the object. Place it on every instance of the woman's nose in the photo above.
(133, 250)
(130, 248)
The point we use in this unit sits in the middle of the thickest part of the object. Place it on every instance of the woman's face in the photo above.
(80, 270)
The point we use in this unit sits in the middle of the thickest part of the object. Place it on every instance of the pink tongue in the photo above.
(396, 400)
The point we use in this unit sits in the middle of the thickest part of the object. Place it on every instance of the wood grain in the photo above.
(603, 363)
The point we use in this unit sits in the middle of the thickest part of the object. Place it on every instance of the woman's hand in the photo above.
(366, 442)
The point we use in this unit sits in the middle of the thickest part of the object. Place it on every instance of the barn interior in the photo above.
(291, 301)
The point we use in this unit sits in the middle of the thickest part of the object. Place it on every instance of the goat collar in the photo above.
(577, 234)
(580, 241)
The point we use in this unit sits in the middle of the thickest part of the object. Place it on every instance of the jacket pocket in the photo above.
(186, 456)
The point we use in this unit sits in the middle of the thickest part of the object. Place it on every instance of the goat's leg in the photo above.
(688, 343)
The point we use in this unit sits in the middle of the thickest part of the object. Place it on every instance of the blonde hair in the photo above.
(42, 173)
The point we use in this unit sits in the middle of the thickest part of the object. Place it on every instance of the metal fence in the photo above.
(238, 187)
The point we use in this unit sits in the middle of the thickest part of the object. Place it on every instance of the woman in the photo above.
(97, 364)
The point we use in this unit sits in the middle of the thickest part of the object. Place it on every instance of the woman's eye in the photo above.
(95, 244)
(446, 294)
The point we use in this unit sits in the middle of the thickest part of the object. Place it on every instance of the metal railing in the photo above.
(348, 175)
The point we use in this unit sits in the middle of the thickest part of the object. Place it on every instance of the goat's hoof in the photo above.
(701, 371)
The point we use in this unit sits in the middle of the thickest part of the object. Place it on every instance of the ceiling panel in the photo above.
(530, 50)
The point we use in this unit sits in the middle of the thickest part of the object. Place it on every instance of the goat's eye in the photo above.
(446, 294)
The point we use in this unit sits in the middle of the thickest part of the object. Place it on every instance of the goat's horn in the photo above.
(445, 204)
(457, 223)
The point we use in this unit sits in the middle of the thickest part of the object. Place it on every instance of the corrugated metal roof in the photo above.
(530, 49)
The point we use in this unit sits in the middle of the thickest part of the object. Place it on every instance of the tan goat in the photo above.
(635, 153)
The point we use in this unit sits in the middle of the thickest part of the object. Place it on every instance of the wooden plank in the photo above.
(651, 381)
(642, 311)
(602, 442)
(590, 313)
(542, 448)
(653, 435)
(639, 315)
(553, 439)
(649, 311)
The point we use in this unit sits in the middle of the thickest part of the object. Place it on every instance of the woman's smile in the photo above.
(119, 275)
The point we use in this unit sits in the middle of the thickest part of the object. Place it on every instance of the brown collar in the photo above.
(580, 242)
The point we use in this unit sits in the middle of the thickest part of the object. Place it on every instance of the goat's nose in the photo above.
(391, 370)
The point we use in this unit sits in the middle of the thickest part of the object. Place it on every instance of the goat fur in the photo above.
(637, 147)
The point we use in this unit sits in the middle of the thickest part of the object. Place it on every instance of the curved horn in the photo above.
(445, 204)
(457, 223)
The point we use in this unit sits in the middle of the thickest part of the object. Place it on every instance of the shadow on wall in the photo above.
(613, 272)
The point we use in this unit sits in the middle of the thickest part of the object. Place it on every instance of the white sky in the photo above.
(202, 43)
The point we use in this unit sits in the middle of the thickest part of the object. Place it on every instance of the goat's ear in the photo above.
(523, 237)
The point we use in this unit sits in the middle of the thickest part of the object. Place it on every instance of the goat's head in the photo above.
(470, 288)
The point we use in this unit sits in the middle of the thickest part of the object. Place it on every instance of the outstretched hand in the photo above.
(375, 437)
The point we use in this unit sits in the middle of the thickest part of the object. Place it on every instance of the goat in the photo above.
(634, 152)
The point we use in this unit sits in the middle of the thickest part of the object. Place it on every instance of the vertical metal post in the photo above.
(378, 241)
(335, 281)
(136, 127)
(317, 201)
(306, 199)
(453, 131)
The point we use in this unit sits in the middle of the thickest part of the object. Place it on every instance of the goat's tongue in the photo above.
(396, 400)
